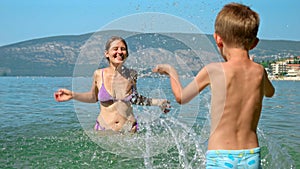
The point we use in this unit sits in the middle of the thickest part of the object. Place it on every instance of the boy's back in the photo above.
(236, 102)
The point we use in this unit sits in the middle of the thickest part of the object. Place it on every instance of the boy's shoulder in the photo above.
(214, 69)
(214, 66)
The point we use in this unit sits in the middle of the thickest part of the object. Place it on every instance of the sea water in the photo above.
(37, 132)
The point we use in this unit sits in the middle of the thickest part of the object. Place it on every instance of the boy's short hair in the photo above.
(237, 25)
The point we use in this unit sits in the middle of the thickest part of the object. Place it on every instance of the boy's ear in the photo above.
(255, 42)
(218, 40)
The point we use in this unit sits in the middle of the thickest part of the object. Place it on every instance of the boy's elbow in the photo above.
(270, 93)
(179, 100)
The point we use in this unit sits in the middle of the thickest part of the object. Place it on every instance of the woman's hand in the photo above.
(63, 95)
(164, 105)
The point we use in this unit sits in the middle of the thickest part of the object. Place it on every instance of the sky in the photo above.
(31, 19)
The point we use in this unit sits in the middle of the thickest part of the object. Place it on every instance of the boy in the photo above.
(238, 86)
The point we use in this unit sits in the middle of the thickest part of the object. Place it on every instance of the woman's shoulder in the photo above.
(97, 72)
(126, 70)
(133, 72)
(129, 73)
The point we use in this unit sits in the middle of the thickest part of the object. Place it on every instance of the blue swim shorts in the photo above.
(247, 159)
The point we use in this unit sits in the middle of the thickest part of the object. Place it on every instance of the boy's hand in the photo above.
(162, 69)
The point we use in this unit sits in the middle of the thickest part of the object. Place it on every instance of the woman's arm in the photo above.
(88, 97)
(138, 99)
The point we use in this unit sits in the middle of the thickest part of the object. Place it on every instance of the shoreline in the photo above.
(285, 78)
(270, 77)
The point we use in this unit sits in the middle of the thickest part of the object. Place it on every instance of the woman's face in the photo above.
(117, 53)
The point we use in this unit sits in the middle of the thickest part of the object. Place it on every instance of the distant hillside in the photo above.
(56, 56)
(276, 49)
(42, 57)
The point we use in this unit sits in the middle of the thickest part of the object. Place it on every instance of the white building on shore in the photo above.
(286, 68)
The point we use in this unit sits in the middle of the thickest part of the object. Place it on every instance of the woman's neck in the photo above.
(115, 67)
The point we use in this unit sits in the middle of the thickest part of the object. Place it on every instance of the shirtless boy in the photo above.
(238, 86)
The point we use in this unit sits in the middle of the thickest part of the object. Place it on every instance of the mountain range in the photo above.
(81, 54)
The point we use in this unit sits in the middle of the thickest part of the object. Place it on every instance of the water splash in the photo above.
(273, 155)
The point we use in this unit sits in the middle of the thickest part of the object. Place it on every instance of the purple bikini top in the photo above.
(104, 96)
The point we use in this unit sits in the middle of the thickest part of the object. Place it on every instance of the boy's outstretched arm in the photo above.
(174, 79)
(182, 95)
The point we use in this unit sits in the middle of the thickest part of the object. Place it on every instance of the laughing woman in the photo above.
(115, 89)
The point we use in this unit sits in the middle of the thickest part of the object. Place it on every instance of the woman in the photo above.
(115, 89)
